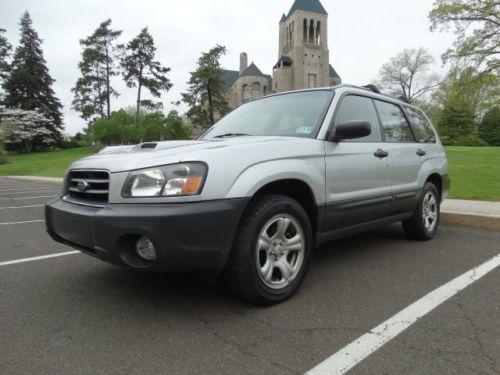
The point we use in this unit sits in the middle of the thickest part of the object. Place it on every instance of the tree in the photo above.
(408, 74)
(176, 129)
(489, 128)
(22, 130)
(205, 94)
(476, 24)
(29, 84)
(5, 48)
(463, 97)
(456, 122)
(481, 91)
(93, 90)
(140, 69)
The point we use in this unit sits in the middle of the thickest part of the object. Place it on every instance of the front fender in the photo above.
(311, 171)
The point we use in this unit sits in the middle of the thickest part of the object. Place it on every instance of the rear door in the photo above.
(406, 153)
(358, 182)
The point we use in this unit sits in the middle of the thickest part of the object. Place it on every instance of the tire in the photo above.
(421, 227)
(257, 268)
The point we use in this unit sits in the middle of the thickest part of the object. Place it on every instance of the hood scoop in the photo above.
(149, 146)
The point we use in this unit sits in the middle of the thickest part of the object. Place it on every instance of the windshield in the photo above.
(288, 115)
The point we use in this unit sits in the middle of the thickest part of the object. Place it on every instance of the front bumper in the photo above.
(187, 236)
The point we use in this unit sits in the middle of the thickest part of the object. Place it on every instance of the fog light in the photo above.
(145, 249)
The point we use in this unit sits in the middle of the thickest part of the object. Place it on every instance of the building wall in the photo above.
(235, 95)
(310, 56)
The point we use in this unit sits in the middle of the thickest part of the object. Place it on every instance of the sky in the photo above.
(362, 35)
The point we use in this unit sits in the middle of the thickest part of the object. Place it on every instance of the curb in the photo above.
(471, 220)
(53, 180)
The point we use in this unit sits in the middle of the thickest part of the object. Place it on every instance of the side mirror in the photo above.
(351, 130)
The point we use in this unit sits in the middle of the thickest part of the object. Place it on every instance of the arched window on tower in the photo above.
(286, 37)
(305, 31)
(293, 33)
(311, 32)
(318, 33)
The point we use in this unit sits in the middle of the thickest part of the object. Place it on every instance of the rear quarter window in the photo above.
(424, 131)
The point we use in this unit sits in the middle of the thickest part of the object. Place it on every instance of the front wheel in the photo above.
(270, 255)
(424, 223)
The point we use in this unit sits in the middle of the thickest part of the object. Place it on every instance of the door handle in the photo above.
(421, 152)
(381, 153)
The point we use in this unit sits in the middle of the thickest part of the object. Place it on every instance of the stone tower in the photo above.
(303, 57)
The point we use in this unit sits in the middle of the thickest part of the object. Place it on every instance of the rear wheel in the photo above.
(424, 223)
(270, 255)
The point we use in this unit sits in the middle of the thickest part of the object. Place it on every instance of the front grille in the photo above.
(88, 186)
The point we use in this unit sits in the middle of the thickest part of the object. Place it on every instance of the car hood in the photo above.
(126, 158)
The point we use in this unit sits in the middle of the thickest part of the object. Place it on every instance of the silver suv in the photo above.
(262, 188)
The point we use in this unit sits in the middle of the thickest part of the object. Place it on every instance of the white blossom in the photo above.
(24, 129)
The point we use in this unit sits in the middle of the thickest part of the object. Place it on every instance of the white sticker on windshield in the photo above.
(304, 130)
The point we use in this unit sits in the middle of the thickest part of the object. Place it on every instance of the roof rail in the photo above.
(371, 87)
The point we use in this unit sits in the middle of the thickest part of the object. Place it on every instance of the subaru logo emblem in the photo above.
(82, 185)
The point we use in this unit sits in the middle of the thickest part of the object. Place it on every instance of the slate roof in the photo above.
(231, 76)
(252, 71)
(284, 59)
(333, 73)
(314, 6)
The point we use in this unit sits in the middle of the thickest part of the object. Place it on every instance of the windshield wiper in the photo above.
(227, 135)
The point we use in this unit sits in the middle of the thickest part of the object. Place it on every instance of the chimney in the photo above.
(243, 62)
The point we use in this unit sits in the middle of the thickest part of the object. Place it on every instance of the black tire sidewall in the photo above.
(280, 205)
(429, 187)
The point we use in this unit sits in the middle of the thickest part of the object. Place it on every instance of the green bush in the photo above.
(489, 129)
(122, 128)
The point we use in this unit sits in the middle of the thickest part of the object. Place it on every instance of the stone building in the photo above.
(303, 58)
(246, 84)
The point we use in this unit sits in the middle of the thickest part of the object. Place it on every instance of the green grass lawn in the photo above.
(49, 164)
(474, 171)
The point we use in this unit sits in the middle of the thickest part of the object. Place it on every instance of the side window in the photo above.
(359, 108)
(425, 133)
(394, 123)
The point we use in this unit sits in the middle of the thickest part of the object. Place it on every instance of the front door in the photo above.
(358, 171)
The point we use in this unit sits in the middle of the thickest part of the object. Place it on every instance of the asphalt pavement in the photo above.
(73, 314)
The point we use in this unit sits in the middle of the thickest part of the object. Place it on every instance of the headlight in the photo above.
(167, 181)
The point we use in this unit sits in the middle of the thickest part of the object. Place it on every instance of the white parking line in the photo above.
(24, 260)
(362, 347)
(14, 207)
(22, 222)
(21, 198)
(26, 189)
(38, 191)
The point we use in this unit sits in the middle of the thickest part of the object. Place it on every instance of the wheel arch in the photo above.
(299, 191)
(437, 181)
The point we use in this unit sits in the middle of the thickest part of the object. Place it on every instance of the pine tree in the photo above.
(140, 69)
(29, 84)
(205, 95)
(93, 90)
(5, 48)
(489, 128)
